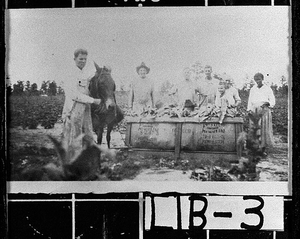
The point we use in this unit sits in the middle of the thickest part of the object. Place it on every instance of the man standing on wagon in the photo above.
(261, 101)
(141, 96)
(76, 113)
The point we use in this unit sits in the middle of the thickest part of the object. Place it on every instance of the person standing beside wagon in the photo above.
(208, 88)
(76, 113)
(261, 101)
(232, 92)
(198, 76)
(185, 90)
(222, 101)
(141, 96)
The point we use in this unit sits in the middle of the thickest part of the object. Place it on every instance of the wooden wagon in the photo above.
(184, 137)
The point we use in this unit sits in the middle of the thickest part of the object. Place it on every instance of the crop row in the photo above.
(31, 111)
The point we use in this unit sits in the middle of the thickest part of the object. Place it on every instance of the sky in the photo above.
(237, 40)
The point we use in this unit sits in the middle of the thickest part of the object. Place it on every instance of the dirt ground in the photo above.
(274, 167)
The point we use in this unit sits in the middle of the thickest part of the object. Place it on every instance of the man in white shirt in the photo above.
(232, 93)
(208, 88)
(185, 89)
(77, 110)
(221, 97)
(261, 101)
(141, 96)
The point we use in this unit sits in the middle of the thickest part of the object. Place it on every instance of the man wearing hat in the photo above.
(142, 89)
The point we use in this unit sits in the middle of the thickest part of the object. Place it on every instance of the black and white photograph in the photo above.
(149, 94)
(149, 122)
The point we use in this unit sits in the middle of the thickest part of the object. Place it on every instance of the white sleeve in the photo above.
(249, 106)
(271, 98)
(72, 92)
(236, 95)
(131, 95)
(218, 100)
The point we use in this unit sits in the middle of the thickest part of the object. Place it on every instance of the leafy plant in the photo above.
(30, 111)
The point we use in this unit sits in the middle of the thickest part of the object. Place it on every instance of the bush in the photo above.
(279, 115)
(30, 111)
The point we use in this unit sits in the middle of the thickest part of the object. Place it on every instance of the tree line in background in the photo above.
(28, 109)
(279, 90)
(51, 88)
(26, 88)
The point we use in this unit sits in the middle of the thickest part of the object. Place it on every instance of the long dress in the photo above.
(257, 98)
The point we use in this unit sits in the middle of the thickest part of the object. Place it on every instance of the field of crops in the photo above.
(32, 118)
(31, 111)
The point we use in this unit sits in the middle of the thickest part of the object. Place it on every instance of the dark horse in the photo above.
(108, 113)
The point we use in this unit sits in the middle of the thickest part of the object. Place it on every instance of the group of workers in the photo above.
(205, 90)
(199, 91)
(191, 92)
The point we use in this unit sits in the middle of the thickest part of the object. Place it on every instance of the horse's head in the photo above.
(102, 86)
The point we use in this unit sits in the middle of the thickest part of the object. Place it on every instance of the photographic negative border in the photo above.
(223, 188)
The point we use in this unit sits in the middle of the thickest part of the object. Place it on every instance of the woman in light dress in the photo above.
(261, 101)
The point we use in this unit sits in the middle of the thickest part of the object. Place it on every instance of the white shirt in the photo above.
(208, 87)
(141, 91)
(260, 96)
(220, 99)
(76, 88)
(231, 94)
(186, 91)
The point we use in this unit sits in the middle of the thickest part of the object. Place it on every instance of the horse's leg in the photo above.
(109, 129)
(99, 135)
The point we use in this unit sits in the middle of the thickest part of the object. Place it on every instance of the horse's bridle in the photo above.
(102, 109)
